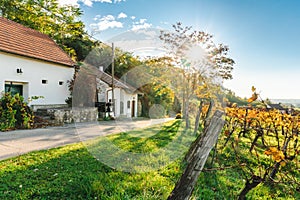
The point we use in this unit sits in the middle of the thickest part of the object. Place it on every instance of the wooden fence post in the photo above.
(185, 186)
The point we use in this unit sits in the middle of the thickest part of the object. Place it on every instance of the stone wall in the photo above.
(71, 115)
(48, 106)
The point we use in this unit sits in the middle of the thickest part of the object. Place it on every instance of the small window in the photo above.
(44, 81)
(121, 108)
(128, 104)
(60, 82)
(14, 89)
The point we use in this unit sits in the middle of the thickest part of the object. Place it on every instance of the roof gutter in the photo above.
(35, 58)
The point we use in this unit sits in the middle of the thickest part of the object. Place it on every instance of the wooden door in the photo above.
(133, 109)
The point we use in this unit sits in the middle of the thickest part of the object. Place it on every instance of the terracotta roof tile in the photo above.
(18, 39)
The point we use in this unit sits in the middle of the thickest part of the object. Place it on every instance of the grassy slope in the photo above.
(71, 172)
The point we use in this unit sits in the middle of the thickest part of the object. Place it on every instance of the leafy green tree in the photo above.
(160, 90)
(148, 76)
(101, 55)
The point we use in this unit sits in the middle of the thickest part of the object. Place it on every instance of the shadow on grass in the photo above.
(130, 153)
(158, 137)
(72, 173)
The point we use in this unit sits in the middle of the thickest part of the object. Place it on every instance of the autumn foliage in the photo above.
(270, 138)
(254, 95)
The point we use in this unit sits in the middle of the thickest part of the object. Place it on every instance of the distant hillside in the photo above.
(232, 98)
(294, 102)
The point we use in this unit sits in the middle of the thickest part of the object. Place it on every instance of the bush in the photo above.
(14, 113)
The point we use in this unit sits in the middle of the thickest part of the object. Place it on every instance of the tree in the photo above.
(199, 58)
(154, 77)
(160, 89)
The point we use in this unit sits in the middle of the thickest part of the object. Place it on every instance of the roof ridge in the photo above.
(107, 78)
(31, 43)
(23, 26)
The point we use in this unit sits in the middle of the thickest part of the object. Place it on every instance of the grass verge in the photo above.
(72, 172)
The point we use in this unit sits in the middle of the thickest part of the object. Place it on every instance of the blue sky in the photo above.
(263, 35)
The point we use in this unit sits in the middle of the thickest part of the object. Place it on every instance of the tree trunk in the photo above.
(185, 186)
(186, 101)
(186, 114)
(145, 106)
(198, 118)
(274, 171)
(249, 186)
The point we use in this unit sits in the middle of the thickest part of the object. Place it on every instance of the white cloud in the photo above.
(143, 21)
(103, 1)
(108, 1)
(143, 42)
(76, 2)
(109, 24)
(122, 15)
(96, 17)
(105, 23)
(141, 24)
(107, 18)
(86, 2)
(167, 23)
(132, 17)
(68, 2)
(118, 1)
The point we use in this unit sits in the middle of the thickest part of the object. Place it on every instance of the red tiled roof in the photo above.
(18, 39)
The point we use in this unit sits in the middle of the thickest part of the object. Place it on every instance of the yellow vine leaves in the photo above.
(254, 95)
(276, 154)
(274, 127)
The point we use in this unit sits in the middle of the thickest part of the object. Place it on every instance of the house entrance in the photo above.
(14, 89)
(132, 109)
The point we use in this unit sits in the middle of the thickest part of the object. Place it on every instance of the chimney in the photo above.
(101, 68)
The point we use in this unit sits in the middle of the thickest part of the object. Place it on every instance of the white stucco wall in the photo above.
(102, 88)
(34, 71)
(122, 95)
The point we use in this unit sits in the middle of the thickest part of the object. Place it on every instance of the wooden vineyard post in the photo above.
(185, 186)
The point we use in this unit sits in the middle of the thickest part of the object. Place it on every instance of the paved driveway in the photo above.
(14, 143)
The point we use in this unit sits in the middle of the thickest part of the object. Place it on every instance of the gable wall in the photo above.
(34, 71)
(122, 95)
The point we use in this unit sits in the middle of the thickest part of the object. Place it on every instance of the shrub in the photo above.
(14, 113)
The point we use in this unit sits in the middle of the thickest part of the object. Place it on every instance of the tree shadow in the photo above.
(73, 173)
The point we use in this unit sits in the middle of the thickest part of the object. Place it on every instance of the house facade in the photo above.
(125, 103)
(32, 64)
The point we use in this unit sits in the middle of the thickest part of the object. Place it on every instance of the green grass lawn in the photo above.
(72, 172)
